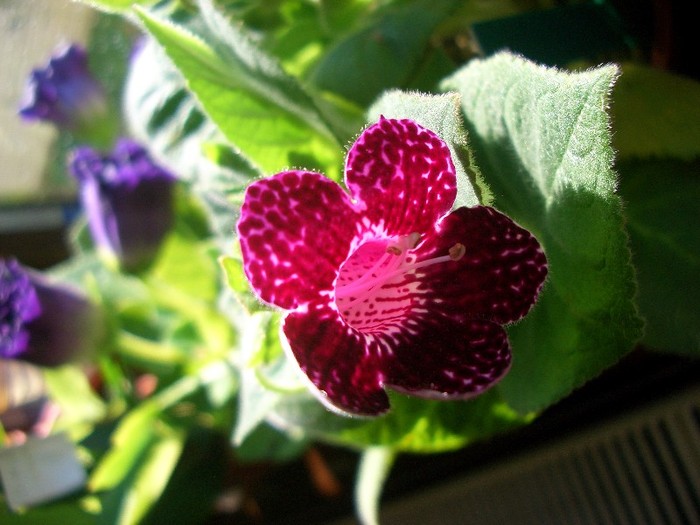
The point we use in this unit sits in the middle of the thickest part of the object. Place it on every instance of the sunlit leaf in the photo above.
(129, 442)
(117, 6)
(164, 115)
(261, 111)
(152, 477)
(412, 425)
(541, 139)
(232, 266)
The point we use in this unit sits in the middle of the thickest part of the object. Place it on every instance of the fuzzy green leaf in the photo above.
(259, 109)
(413, 425)
(656, 114)
(541, 139)
(661, 200)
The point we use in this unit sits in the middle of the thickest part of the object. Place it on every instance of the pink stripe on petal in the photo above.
(500, 274)
(403, 174)
(372, 292)
(343, 365)
(295, 230)
(449, 360)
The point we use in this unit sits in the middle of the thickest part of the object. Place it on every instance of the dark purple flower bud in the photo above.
(64, 92)
(128, 200)
(44, 322)
(18, 306)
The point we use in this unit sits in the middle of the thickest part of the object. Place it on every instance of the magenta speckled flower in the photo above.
(384, 286)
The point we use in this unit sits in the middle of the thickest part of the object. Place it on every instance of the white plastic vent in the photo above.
(642, 468)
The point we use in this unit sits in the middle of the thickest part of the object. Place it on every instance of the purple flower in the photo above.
(128, 200)
(384, 286)
(41, 321)
(64, 92)
(18, 305)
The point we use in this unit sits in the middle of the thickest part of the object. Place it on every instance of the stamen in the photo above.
(457, 251)
(406, 242)
(413, 239)
(381, 272)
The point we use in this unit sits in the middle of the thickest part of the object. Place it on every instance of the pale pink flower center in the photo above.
(376, 285)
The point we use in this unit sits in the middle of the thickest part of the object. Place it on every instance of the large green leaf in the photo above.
(387, 51)
(661, 200)
(541, 139)
(259, 109)
(413, 424)
(656, 114)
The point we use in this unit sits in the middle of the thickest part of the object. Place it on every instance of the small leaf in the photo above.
(541, 139)
(129, 442)
(80, 407)
(238, 283)
(254, 400)
(153, 473)
(375, 465)
(117, 6)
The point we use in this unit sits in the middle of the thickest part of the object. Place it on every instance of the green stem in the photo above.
(375, 465)
(147, 351)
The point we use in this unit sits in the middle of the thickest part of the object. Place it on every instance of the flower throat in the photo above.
(373, 286)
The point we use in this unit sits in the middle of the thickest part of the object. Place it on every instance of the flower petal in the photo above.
(403, 174)
(449, 360)
(343, 365)
(295, 230)
(498, 278)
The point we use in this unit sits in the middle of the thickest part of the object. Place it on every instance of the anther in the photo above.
(393, 249)
(457, 251)
(413, 239)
